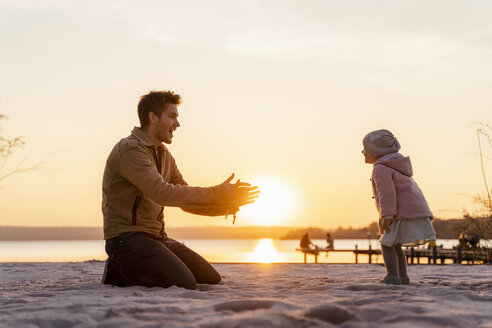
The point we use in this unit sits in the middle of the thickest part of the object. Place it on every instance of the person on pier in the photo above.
(330, 242)
(306, 242)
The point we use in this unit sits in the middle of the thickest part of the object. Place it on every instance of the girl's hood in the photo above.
(397, 162)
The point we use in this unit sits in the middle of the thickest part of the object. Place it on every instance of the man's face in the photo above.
(166, 124)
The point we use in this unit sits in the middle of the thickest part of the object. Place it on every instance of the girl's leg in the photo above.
(390, 260)
(402, 261)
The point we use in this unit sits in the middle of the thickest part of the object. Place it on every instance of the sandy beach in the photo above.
(250, 295)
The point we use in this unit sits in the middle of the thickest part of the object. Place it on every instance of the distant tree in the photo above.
(448, 228)
(477, 227)
(7, 148)
(373, 228)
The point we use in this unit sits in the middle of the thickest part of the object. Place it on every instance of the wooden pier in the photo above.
(458, 255)
(370, 252)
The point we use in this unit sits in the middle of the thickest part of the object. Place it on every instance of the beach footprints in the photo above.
(267, 313)
(330, 313)
(253, 304)
(263, 320)
(366, 287)
(244, 305)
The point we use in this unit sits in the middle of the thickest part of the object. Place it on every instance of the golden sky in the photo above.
(276, 90)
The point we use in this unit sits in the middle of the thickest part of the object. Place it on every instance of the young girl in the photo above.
(404, 215)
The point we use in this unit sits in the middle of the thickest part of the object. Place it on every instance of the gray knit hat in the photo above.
(380, 142)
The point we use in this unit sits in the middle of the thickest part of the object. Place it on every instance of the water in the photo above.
(214, 250)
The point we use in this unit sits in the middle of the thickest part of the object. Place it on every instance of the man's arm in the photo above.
(137, 167)
(238, 194)
(210, 210)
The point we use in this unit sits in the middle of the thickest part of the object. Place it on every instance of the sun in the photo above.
(265, 252)
(275, 204)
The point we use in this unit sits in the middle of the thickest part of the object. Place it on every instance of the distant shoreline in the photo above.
(9, 233)
(445, 229)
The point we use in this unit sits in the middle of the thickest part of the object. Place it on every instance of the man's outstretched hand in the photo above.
(240, 193)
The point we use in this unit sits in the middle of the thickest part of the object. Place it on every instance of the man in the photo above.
(140, 178)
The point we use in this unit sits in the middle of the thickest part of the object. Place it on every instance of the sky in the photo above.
(277, 92)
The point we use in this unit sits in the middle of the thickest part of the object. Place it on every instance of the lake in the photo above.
(214, 250)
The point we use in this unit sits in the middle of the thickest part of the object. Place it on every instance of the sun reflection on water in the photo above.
(265, 252)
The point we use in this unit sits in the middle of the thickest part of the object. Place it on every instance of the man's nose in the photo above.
(177, 123)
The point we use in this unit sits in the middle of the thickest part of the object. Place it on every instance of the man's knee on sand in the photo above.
(217, 279)
(119, 276)
(212, 278)
(135, 259)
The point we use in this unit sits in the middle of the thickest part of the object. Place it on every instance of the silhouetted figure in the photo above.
(330, 241)
(469, 241)
(306, 242)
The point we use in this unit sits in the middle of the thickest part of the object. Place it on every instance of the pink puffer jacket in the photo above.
(395, 191)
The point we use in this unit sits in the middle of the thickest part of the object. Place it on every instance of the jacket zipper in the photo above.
(162, 223)
(157, 158)
(134, 210)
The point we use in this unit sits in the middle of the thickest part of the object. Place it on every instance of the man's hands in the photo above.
(240, 193)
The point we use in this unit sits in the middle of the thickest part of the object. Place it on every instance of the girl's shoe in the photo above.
(391, 280)
(405, 280)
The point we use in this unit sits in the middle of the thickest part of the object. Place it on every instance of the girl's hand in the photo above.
(385, 225)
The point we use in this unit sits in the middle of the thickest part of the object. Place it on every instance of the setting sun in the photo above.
(265, 252)
(274, 205)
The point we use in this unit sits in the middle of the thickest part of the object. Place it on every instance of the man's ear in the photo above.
(152, 117)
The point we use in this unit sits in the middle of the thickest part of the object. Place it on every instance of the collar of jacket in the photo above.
(142, 137)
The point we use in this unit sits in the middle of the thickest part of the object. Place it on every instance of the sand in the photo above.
(250, 295)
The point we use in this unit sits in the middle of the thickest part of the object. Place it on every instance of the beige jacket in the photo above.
(136, 189)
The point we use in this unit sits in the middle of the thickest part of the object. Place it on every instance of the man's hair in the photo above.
(156, 102)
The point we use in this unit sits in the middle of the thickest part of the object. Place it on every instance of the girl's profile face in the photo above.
(368, 157)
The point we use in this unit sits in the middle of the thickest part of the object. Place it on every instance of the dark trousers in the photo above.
(139, 259)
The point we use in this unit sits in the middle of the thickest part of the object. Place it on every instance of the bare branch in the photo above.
(482, 127)
(7, 148)
(478, 154)
(480, 224)
(486, 135)
(483, 171)
(19, 169)
(481, 124)
(5, 158)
